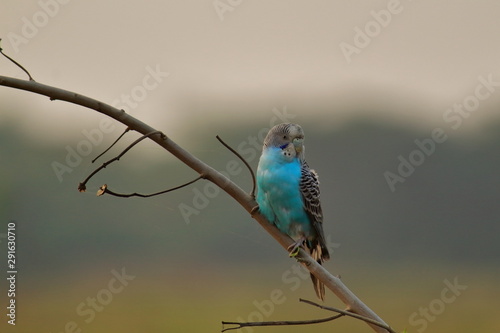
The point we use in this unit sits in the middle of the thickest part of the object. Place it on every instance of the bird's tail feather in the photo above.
(319, 254)
(319, 288)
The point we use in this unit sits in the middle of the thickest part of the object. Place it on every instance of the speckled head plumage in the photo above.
(285, 133)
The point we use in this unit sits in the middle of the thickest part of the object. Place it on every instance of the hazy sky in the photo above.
(179, 60)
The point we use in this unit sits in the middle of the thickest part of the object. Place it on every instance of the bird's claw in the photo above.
(294, 252)
(295, 248)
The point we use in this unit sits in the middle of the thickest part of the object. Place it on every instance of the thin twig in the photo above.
(243, 160)
(16, 63)
(340, 312)
(82, 187)
(350, 314)
(104, 152)
(277, 323)
(104, 189)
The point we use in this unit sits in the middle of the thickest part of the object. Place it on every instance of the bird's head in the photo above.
(283, 134)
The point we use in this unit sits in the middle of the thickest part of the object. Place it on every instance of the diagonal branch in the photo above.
(209, 173)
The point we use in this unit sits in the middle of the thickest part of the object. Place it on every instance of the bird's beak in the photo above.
(298, 143)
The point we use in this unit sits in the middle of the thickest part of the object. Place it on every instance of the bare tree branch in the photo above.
(15, 62)
(209, 173)
(104, 189)
(82, 186)
(111, 146)
(340, 312)
(246, 164)
(277, 323)
(350, 314)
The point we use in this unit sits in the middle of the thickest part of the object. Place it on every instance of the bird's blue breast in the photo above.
(279, 197)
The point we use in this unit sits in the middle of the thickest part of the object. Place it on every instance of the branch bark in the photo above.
(333, 283)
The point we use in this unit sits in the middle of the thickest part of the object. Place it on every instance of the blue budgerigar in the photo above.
(288, 193)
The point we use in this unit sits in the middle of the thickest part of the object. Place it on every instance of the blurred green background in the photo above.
(393, 249)
(423, 254)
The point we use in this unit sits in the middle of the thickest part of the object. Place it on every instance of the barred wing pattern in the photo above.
(309, 187)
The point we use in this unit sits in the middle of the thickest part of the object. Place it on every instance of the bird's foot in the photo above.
(295, 247)
(294, 253)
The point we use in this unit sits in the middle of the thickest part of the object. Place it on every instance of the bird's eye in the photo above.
(284, 137)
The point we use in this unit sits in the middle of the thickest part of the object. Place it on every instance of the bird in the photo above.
(288, 193)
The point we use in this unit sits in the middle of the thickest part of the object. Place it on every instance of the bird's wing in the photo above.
(309, 188)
